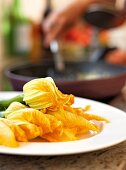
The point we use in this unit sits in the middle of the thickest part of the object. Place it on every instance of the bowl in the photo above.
(84, 79)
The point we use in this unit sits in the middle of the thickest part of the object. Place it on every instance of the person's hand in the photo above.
(59, 22)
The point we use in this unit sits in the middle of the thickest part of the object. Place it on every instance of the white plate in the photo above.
(112, 134)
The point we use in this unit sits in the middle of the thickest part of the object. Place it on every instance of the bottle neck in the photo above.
(16, 8)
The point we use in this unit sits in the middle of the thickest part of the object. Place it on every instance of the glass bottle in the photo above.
(18, 37)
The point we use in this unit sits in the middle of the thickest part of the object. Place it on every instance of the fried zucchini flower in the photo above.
(22, 130)
(74, 121)
(7, 137)
(14, 107)
(42, 93)
(46, 123)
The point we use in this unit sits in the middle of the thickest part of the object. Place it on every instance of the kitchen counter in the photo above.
(112, 158)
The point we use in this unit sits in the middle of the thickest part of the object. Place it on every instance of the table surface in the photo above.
(112, 158)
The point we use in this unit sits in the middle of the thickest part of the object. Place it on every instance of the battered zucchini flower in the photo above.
(42, 93)
(7, 137)
(14, 107)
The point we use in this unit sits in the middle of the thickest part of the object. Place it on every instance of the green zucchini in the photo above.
(6, 102)
(2, 115)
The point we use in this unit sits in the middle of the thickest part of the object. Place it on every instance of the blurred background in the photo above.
(21, 38)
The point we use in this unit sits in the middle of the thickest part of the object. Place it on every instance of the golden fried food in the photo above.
(48, 114)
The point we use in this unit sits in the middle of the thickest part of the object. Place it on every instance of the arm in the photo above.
(60, 21)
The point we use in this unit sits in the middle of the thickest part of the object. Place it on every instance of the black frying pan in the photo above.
(85, 79)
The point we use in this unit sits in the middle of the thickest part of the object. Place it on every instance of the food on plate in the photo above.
(7, 137)
(14, 106)
(44, 111)
(43, 93)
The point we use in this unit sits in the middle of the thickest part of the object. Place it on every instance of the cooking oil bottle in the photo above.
(18, 36)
